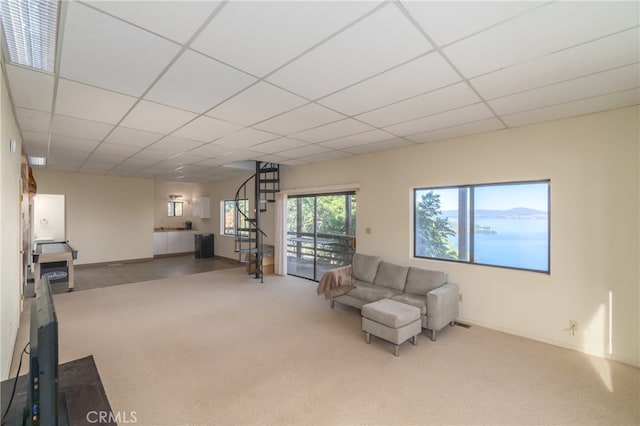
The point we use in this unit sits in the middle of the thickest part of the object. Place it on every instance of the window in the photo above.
(510, 223)
(174, 208)
(228, 216)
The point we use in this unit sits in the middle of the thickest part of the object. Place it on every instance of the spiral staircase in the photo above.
(249, 235)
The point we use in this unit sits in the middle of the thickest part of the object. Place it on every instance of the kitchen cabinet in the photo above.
(169, 242)
(202, 208)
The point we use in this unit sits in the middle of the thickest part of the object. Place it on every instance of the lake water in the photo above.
(519, 243)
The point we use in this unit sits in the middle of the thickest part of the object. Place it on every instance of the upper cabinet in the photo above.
(202, 208)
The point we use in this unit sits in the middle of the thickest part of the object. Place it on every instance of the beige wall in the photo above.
(108, 218)
(10, 258)
(593, 164)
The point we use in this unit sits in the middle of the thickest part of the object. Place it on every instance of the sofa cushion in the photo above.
(390, 313)
(365, 267)
(417, 300)
(370, 292)
(422, 281)
(391, 275)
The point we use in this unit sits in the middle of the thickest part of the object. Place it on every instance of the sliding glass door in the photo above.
(321, 233)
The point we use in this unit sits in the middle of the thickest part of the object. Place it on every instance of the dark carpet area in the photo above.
(95, 276)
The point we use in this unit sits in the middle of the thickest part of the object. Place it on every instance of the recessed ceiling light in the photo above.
(37, 161)
(30, 32)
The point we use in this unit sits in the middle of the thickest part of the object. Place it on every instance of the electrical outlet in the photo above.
(573, 327)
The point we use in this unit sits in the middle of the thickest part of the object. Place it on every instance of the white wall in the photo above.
(108, 218)
(593, 164)
(10, 258)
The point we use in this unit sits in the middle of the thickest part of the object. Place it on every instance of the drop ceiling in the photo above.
(178, 90)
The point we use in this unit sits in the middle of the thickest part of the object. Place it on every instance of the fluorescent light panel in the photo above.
(37, 161)
(30, 32)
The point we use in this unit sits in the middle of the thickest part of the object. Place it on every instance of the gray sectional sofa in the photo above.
(374, 279)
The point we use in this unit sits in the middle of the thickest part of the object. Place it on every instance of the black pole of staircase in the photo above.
(258, 258)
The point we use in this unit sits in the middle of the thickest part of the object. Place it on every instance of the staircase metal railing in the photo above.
(248, 232)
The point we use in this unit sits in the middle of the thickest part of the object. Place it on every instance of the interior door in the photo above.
(49, 217)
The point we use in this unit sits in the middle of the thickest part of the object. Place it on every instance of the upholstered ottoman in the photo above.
(392, 321)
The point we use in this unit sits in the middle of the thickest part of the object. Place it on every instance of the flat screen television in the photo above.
(42, 398)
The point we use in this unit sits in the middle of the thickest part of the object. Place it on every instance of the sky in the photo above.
(500, 197)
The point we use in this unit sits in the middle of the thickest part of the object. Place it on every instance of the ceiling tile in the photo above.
(116, 149)
(294, 162)
(379, 146)
(97, 168)
(431, 103)
(35, 144)
(157, 118)
(210, 150)
(260, 36)
(138, 163)
(197, 83)
(541, 32)
(34, 121)
(30, 89)
(103, 51)
(185, 160)
(163, 19)
(305, 151)
(570, 109)
(303, 118)
(272, 158)
(435, 17)
(152, 154)
(359, 139)
(175, 144)
(77, 128)
(278, 145)
(354, 55)
(257, 103)
(593, 85)
(455, 117)
(338, 129)
(458, 131)
(206, 129)
(132, 137)
(326, 156)
(71, 143)
(599, 55)
(241, 155)
(90, 103)
(244, 138)
(102, 158)
(62, 155)
(419, 76)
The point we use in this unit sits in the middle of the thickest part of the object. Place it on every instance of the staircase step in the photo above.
(269, 170)
(246, 240)
(247, 230)
(247, 250)
(269, 191)
(269, 180)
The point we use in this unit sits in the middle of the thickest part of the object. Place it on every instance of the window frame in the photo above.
(471, 225)
(223, 209)
(171, 208)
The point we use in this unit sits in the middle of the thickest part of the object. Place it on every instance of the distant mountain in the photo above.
(514, 213)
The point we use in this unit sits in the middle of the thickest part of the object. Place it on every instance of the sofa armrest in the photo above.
(442, 306)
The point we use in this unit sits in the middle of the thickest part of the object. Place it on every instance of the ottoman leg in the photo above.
(395, 350)
(333, 303)
(414, 340)
(367, 337)
(433, 335)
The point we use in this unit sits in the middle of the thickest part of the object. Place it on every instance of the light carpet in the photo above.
(221, 348)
